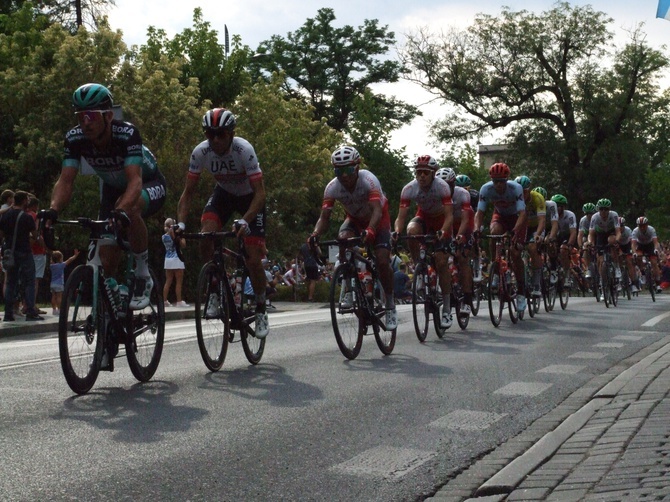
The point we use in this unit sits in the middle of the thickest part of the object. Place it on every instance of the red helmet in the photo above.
(499, 170)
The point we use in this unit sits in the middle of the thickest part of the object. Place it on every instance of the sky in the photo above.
(258, 20)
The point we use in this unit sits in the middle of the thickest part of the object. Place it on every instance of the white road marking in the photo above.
(384, 461)
(523, 389)
(562, 369)
(467, 420)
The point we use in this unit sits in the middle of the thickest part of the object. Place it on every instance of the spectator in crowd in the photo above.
(57, 268)
(6, 201)
(271, 288)
(18, 220)
(311, 270)
(292, 276)
(665, 274)
(174, 267)
(38, 249)
(401, 281)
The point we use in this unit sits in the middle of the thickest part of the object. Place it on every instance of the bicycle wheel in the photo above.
(385, 339)
(212, 317)
(476, 297)
(607, 290)
(562, 289)
(651, 284)
(421, 304)
(596, 284)
(495, 298)
(146, 328)
(462, 319)
(346, 312)
(548, 290)
(80, 331)
(614, 286)
(510, 288)
(625, 282)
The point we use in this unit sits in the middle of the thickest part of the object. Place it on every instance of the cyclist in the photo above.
(464, 181)
(366, 207)
(551, 234)
(567, 231)
(239, 189)
(131, 181)
(509, 215)
(463, 229)
(626, 254)
(536, 211)
(605, 230)
(583, 235)
(645, 242)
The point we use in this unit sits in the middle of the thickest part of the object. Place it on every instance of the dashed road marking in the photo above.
(587, 355)
(384, 461)
(628, 338)
(609, 345)
(523, 389)
(562, 369)
(468, 420)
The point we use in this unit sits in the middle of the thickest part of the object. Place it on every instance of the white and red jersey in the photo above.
(234, 170)
(461, 203)
(430, 202)
(357, 202)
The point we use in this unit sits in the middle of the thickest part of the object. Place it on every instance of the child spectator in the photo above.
(58, 278)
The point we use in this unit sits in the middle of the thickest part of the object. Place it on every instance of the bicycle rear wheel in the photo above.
(146, 332)
(385, 339)
(212, 317)
(562, 289)
(495, 297)
(476, 297)
(462, 319)
(548, 290)
(651, 284)
(252, 345)
(421, 304)
(510, 296)
(346, 312)
(625, 282)
(80, 331)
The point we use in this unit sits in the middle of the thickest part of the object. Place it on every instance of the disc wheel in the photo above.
(421, 305)
(212, 320)
(346, 311)
(80, 339)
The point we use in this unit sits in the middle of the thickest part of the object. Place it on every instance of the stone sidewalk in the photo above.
(608, 441)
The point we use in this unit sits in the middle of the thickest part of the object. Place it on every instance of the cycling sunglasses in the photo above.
(340, 171)
(89, 115)
(215, 133)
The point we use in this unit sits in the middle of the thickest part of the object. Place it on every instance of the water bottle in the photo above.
(367, 284)
(112, 288)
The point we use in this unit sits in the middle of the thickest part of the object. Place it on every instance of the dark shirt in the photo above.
(26, 225)
(400, 282)
(307, 256)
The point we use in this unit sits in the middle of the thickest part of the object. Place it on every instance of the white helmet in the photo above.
(345, 156)
(446, 173)
(218, 118)
(425, 161)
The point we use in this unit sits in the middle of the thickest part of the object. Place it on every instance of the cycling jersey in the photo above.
(430, 202)
(234, 171)
(552, 210)
(626, 235)
(605, 226)
(461, 202)
(510, 202)
(356, 203)
(644, 237)
(125, 149)
(535, 207)
(584, 224)
(566, 223)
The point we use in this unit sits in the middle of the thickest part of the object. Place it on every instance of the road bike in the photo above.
(548, 282)
(96, 318)
(221, 307)
(532, 301)
(610, 283)
(354, 305)
(647, 273)
(502, 287)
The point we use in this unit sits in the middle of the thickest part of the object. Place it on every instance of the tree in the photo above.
(70, 14)
(332, 67)
(579, 115)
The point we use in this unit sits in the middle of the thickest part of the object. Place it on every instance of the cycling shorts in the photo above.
(154, 193)
(508, 221)
(647, 249)
(431, 225)
(601, 240)
(221, 206)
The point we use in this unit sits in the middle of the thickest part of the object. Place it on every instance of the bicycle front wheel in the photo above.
(548, 290)
(146, 329)
(476, 297)
(80, 330)
(346, 312)
(495, 296)
(212, 319)
(563, 289)
(651, 284)
(421, 301)
(385, 339)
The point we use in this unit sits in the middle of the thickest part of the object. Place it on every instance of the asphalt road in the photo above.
(305, 424)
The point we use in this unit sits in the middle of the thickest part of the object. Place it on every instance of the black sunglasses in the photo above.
(215, 133)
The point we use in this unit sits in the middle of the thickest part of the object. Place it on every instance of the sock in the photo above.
(446, 305)
(390, 303)
(142, 263)
(260, 298)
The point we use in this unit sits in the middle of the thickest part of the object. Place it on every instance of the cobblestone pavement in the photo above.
(609, 441)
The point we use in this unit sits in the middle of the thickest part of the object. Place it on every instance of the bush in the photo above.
(288, 294)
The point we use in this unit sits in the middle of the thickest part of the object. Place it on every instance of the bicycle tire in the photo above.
(80, 337)
(562, 290)
(421, 304)
(605, 284)
(348, 323)
(625, 282)
(146, 334)
(252, 346)
(511, 300)
(462, 319)
(651, 284)
(614, 287)
(548, 290)
(385, 339)
(496, 303)
(476, 297)
(212, 317)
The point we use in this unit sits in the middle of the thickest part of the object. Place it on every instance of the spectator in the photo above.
(38, 249)
(57, 268)
(401, 281)
(273, 277)
(665, 274)
(174, 267)
(17, 220)
(292, 276)
(311, 270)
(7, 200)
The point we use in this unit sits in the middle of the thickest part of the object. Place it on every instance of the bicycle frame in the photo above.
(504, 291)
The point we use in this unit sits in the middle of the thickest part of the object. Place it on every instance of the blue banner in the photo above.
(663, 10)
